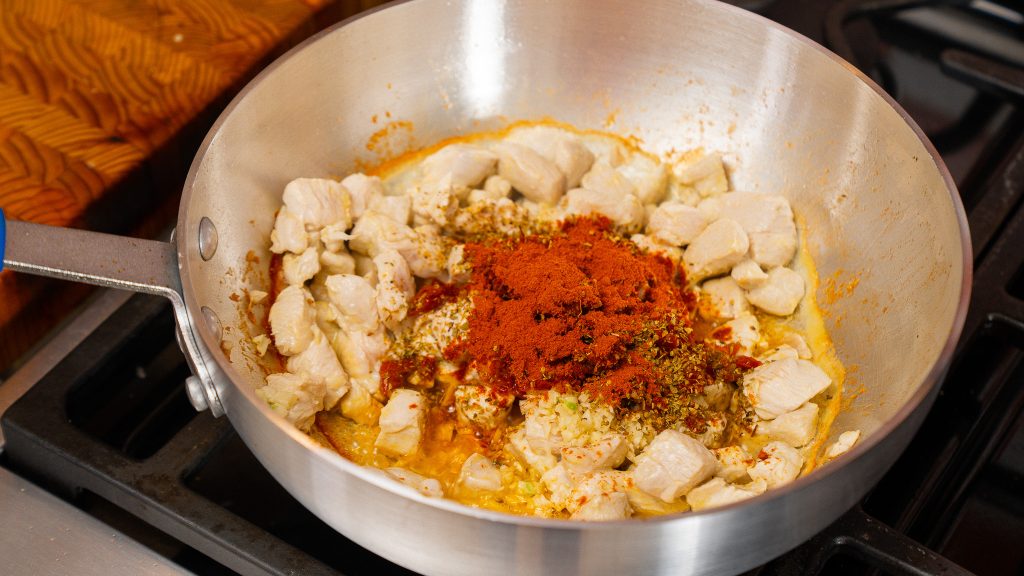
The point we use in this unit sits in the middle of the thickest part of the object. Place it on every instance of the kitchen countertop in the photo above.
(102, 106)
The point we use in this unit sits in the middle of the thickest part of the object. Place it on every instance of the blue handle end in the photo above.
(3, 236)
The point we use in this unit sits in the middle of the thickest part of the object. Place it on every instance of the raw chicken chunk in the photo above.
(295, 398)
(355, 300)
(397, 208)
(676, 223)
(776, 388)
(359, 405)
(721, 245)
(744, 330)
(360, 353)
(375, 232)
(604, 507)
(780, 294)
(672, 464)
(362, 189)
(395, 287)
(559, 484)
(318, 202)
(649, 244)
(436, 205)
(626, 211)
(495, 188)
(463, 166)
(609, 181)
(291, 320)
(289, 234)
(573, 160)
(480, 407)
(648, 176)
(732, 463)
(539, 460)
(772, 248)
(722, 299)
(319, 364)
(535, 177)
(843, 444)
(458, 267)
(705, 173)
(298, 268)
(607, 452)
(401, 423)
(798, 343)
(749, 275)
(480, 473)
(778, 463)
(596, 485)
(781, 352)
(716, 492)
(795, 428)
(422, 484)
(340, 262)
(767, 217)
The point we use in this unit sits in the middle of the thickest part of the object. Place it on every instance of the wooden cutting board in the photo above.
(102, 106)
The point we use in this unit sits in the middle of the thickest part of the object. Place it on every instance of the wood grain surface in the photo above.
(102, 106)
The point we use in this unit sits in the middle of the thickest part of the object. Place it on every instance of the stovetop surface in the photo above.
(110, 428)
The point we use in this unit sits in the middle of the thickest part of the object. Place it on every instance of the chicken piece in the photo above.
(625, 211)
(753, 212)
(722, 299)
(672, 464)
(780, 294)
(319, 202)
(732, 463)
(748, 275)
(395, 288)
(778, 463)
(797, 342)
(298, 268)
(535, 177)
(429, 259)
(596, 484)
(291, 320)
(573, 159)
(843, 444)
(435, 205)
(709, 430)
(716, 492)
(538, 460)
(360, 353)
(295, 398)
(772, 249)
(340, 262)
(319, 364)
(334, 237)
(397, 208)
(795, 428)
(426, 486)
(495, 188)
(359, 405)
(362, 189)
(289, 234)
(776, 388)
(355, 300)
(458, 267)
(483, 408)
(744, 330)
(705, 173)
(365, 268)
(676, 223)
(401, 423)
(648, 176)
(605, 507)
(463, 166)
(375, 232)
(480, 473)
(605, 453)
(653, 246)
(721, 245)
(608, 181)
(781, 352)
(559, 483)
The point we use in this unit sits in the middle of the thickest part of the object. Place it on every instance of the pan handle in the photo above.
(134, 264)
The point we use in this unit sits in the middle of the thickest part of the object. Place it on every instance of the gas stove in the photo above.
(106, 468)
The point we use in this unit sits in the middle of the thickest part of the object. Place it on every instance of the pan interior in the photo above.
(880, 223)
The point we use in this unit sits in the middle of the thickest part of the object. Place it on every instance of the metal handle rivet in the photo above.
(207, 238)
(213, 322)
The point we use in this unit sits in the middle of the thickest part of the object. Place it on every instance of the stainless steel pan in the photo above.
(876, 200)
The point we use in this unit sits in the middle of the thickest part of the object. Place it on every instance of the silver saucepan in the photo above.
(877, 203)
